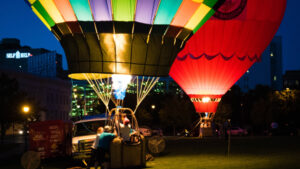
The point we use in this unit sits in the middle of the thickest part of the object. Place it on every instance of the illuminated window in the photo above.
(275, 78)
(271, 54)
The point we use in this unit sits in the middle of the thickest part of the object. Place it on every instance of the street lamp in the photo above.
(26, 109)
(153, 106)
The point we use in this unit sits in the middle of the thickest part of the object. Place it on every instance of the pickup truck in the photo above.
(84, 134)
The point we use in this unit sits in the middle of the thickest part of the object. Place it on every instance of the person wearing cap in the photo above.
(125, 130)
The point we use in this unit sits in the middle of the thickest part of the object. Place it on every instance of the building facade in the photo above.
(53, 95)
(46, 65)
(267, 71)
(13, 56)
(41, 62)
(40, 74)
(291, 79)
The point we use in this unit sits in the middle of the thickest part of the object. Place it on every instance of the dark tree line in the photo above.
(258, 108)
(254, 110)
(11, 101)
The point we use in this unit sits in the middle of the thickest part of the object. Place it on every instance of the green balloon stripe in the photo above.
(209, 14)
(39, 7)
(210, 3)
(123, 10)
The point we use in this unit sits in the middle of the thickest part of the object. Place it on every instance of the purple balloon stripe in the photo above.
(101, 10)
(146, 10)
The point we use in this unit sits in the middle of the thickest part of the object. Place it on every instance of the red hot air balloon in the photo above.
(225, 48)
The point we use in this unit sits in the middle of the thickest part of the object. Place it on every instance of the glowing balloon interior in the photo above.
(137, 37)
(224, 48)
(119, 85)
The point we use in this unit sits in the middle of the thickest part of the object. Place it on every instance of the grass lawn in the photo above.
(210, 153)
(246, 153)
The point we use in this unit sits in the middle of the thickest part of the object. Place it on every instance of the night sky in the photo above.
(18, 21)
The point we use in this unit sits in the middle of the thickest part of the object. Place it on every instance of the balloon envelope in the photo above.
(138, 37)
(224, 48)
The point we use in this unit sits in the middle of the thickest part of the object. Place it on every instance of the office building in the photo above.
(267, 71)
(41, 62)
(291, 79)
(39, 73)
(53, 95)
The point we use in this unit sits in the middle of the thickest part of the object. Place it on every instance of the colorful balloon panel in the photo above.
(224, 48)
(138, 37)
(146, 11)
(65, 10)
(160, 12)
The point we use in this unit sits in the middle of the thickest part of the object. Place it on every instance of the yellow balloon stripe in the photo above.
(52, 10)
(31, 1)
(199, 1)
(198, 16)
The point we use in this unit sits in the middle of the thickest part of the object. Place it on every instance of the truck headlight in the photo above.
(74, 148)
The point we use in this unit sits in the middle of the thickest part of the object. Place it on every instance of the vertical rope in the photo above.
(100, 87)
(144, 90)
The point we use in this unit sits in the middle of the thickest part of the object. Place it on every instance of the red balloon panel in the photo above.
(225, 47)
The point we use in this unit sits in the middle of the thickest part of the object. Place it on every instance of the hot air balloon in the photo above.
(224, 48)
(115, 39)
(123, 37)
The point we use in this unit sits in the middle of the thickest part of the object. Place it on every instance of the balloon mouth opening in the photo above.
(205, 99)
(93, 76)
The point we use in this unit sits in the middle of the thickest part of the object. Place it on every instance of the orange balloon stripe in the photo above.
(185, 12)
(66, 10)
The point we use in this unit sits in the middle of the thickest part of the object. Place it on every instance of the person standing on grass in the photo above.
(104, 142)
(95, 151)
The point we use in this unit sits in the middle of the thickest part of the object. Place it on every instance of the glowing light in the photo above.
(26, 109)
(119, 85)
(205, 99)
(20, 131)
(152, 106)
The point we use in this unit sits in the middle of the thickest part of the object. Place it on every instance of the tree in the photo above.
(176, 113)
(224, 112)
(144, 117)
(9, 90)
(289, 101)
(11, 102)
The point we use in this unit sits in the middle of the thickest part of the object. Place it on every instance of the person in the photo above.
(95, 151)
(125, 130)
(104, 142)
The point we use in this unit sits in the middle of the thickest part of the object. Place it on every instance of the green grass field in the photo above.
(246, 153)
(211, 153)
